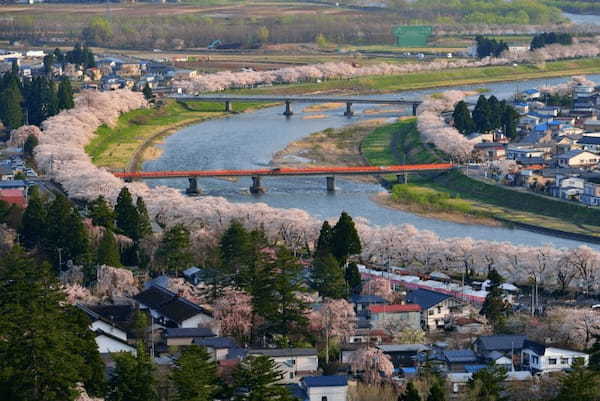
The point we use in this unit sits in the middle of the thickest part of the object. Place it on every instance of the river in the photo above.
(249, 140)
(583, 19)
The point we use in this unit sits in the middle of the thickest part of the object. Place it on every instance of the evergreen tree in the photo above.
(482, 115)
(127, 215)
(33, 226)
(195, 375)
(346, 241)
(59, 56)
(509, 120)
(257, 378)
(66, 237)
(328, 277)
(594, 362)
(42, 100)
(147, 91)
(494, 308)
(325, 240)
(87, 58)
(144, 225)
(495, 112)
(462, 118)
(49, 60)
(486, 384)
(234, 247)
(30, 143)
(436, 392)
(133, 378)
(101, 213)
(76, 56)
(410, 393)
(580, 384)
(65, 95)
(11, 112)
(108, 251)
(173, 253)
(47, 347)
(353, 278)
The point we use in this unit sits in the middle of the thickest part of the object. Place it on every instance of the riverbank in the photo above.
(131, 141)
(435, 79)
(454, 194)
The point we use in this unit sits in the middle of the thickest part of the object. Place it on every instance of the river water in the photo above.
(249, 140)
(583, 19)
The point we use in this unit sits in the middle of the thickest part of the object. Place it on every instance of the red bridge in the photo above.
(329, 172)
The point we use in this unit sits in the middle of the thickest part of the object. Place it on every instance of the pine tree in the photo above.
(353, 278)
(328, 277)
(325, 240)
(173, 253)
(194, 375)
(509, 120)
(346, 241)
(482, 115)
(462, 118)
(144, 227)
(410, 393)
(34, 222)
(30, 143)
(11, 111)
(108, 251)
(486, 384)
(127, 215)
(495, 112)
(494, 307)
(101, 213)
(65, 95)
(436, 392)
(147, 91)
(234, 247)
(87, 58)
(46, 347)
(594, 362)
(257, 378)
(133, 378)
(580, 384)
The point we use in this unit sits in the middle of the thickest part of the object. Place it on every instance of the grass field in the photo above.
(115, 147)
(457, 193)
(421, 80)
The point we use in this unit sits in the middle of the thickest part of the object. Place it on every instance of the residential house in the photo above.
(590, 143)
(520, 153)
(549, 111)
(458, 380)
(592, 125)
(220, 348)
(362, 302)
(6, 173)
(489, 151)
(186, 336)
(577, 159)
(531, 94)
(591, 194)
(395, 317)
(193, 275)
(172, 310)
(507, 344)
(322, 388)
(540, 358)
(521, 108)
(110, 324)
(567, 187)
(14, 196)
(467, 325)
(583, 91)
(404, 355)
(436, 307)
(294, 363)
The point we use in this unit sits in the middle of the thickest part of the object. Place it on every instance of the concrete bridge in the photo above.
(228, 100)
(329, 173)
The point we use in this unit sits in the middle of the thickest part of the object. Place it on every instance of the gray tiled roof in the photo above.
(277, 352)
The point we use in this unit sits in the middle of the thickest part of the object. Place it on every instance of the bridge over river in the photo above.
(288, 100)
(400, 171)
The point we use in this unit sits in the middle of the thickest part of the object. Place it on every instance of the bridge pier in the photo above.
(228, 106)
(330, 184)
(256, 188)
(402, 178)
(414, 109)
(192, 189)
(288, 109)
(348, 112)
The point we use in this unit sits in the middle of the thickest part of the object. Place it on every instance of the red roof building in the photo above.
(13, 196)
(394, 308)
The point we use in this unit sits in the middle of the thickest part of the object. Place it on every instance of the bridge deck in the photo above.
(295, 99)
(322, 171)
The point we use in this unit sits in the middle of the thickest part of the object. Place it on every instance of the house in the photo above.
(172, 310)
(567, 187)
(220, 348)
(457, 360)
(531, 94)
(577, 158)
(436, 307)
(110, 324)
(499, 359)
(591, 143)
(506, 344)
(395, 317)
(294, 363)
(466, 325)
(14, 196)
(591, 194)
(540, 358)
(592, 125)
(322, 388)
(186, 336)
(521, 107)
(458, 380)
(583, 91)
(193, 275)
(489, 151)
(404, 355)
(520, 153)
(362, 302)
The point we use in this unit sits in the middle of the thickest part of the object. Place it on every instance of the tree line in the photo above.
(548, 38)
(489, 114)
(489, 47)
(81, 56)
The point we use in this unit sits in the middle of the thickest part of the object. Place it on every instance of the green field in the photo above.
(421, 80)
(455, 192)
(115, 147)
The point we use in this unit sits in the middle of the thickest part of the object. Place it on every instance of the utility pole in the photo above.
(59, 259)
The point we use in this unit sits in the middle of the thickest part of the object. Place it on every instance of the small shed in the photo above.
(193, 275)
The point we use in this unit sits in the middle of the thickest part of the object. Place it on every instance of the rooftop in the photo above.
(503, 342)
(460, 356)
(395, 308)
(325, 381)
(426, 298)
(279, 352)
(189, 332)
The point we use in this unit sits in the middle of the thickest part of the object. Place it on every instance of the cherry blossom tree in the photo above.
(233, 313)
(380, 287)
(334, 319)
(373, 363)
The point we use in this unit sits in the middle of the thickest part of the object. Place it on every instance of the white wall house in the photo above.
(540, 358)
(325, 388)
(108, 343)
(295, 363)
